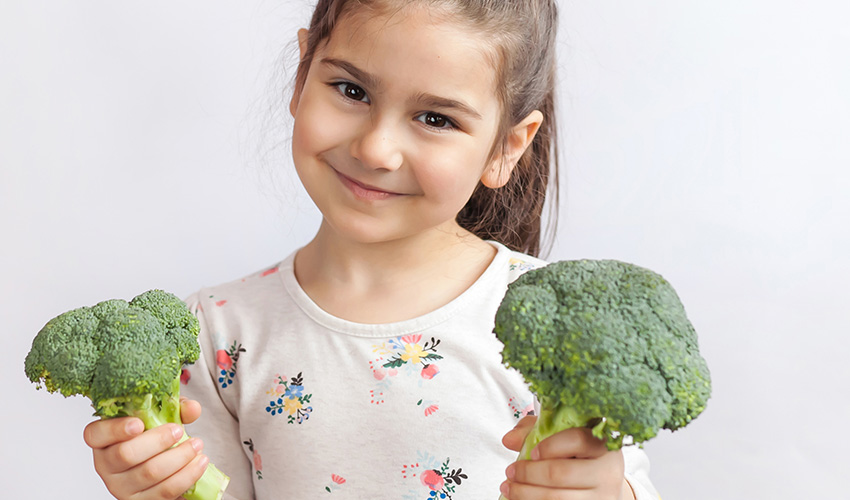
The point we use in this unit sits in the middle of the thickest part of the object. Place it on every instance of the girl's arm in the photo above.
(219, 425)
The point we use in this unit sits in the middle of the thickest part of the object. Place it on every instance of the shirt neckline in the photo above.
(379, 330)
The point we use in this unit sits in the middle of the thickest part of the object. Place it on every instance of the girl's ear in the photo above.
(302, 49)
(498, 173)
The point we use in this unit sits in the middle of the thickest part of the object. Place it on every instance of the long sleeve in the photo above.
(218, 426)
(637, 473)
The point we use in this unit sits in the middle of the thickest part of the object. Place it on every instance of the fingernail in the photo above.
(504, 489)
(510, 472)
(197, 444)
(204, 460)
(134, 427)
(535, 454)
(176, 431)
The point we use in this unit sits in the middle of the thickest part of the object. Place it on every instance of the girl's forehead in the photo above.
(413, 37)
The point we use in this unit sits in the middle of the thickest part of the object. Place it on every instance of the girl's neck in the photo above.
(390, 281)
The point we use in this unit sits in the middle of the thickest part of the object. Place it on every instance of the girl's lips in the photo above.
(364, 191)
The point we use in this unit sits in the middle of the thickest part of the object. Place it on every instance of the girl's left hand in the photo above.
(570, 465)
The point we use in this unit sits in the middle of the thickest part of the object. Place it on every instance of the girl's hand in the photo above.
(571, 464)
(142, 465)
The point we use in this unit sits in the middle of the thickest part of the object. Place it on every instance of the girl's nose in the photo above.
(378, 147)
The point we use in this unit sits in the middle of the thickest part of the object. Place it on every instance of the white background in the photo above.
(710, 141)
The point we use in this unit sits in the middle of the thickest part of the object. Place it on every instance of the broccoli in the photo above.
(605, 345)
(127, 358)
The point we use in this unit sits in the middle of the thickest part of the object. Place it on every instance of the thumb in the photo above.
(190, 410)
(515, 437)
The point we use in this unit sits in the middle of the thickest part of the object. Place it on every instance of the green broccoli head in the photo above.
(127, 358)
(115, 349)
(604, 344)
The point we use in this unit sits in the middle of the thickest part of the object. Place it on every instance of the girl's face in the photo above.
(394, 125)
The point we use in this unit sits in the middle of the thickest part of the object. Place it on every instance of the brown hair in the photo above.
(523, 32)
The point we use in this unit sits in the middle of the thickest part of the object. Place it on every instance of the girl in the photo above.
(364, 364)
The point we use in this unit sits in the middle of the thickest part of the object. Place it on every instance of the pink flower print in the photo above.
(223, 359)
(411, 339)
(430, 371)
(431, 407)
(521, 409)
(269, 271)
(185, 375)
(226, 361)
(432, 479)
(336, 482)
(380, 373)
(258, 460)
(441, 480)
(218, 303)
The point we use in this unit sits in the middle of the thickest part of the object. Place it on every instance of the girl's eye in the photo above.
(436, 120)
(351, 91)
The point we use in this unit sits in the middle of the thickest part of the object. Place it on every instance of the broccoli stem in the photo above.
(551, 421)
(154, 413)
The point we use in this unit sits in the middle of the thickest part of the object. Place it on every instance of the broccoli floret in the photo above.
(126, 358)
(606, 345)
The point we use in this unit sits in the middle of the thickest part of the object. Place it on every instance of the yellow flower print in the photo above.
(413, 353)
(290, 399)
(408, 350)
(292, 405)
(381, 349)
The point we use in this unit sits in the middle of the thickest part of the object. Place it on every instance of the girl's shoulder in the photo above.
(249, 289)
(518, 263)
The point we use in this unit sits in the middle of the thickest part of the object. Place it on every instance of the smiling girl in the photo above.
(424, 133)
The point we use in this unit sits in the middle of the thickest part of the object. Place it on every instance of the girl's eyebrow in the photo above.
(427, 100)
(367, 78)
(433, 101)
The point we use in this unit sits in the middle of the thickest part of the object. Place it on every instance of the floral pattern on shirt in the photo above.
(291, 399)
(257, 459)
(336, 483)
(406, 355)
(520, 265)
(435, 478)
(227, 360)
(521, 408)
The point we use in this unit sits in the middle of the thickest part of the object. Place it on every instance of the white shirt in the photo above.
(298, 403)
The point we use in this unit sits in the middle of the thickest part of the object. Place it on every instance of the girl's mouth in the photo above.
(364, 191)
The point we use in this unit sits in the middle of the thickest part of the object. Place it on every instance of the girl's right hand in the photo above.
(141, 465)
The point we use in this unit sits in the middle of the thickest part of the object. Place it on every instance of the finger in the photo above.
(102, 433)
(180, 482)
(518, 491)
(190, 410)
(515, 437)
(128, 454)
(577, 442)
(161, 467)
(576, 474)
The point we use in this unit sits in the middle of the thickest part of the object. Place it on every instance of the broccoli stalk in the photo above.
(604, 345)
(552, 420)
(160, 410)
(126, 358)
